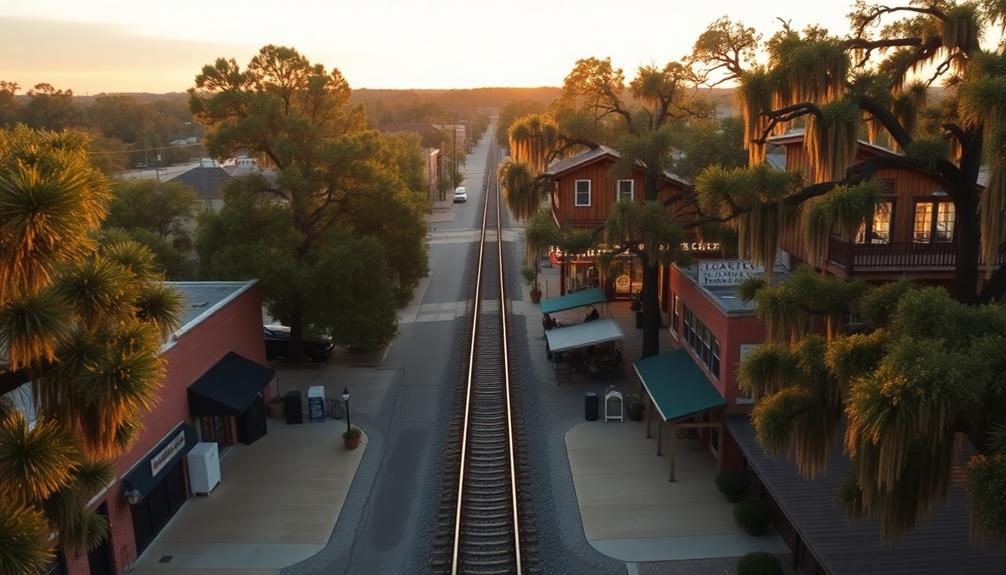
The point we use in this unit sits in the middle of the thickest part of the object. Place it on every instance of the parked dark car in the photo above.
(277, 344)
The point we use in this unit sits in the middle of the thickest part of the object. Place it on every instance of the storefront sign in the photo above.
(726, 272)
(162, 457)
(700, 246)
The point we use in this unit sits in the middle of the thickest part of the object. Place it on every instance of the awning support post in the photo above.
(660, 437)
(649, 416)
(673, 433)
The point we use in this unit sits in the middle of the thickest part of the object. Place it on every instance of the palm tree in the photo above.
(83, 317)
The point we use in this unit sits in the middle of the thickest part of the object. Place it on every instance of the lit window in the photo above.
(582, 193)
(879, 230)
(934, 222)
(945, 216)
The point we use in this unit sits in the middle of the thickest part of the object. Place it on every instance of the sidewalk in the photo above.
(276, 505)
(627, 508)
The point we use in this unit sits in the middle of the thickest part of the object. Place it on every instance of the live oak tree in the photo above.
(926, 369)
(639, 119)
(331, 170)
(82, 317)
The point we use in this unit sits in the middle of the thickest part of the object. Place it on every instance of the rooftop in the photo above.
(726, 297)
(202, 299)
(939, 545)
(561, 166)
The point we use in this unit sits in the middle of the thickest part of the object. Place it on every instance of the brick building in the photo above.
(212, 392)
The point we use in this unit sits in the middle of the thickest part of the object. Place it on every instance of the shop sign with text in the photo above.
(727, 272)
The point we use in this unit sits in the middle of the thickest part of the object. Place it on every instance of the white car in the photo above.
(460, 195)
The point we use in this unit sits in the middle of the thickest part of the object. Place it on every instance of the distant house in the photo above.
(208, 182)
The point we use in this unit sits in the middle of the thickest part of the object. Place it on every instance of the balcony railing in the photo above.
(897, 256)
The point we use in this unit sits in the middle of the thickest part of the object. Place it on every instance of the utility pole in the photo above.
(454, 153)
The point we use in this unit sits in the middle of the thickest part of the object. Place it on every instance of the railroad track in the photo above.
(484, 524)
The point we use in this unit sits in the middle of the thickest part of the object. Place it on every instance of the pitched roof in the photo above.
(206, 181)
(560, 167)
(939, 545)
(794, 136)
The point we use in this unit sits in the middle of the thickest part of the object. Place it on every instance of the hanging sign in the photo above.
(726, 272)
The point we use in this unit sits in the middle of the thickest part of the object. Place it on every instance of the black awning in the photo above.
(160, 460)
(229, 387)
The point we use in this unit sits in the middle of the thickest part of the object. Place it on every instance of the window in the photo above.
(582, 193)
(702, 341)
(675, 313)
(626, 189)
(879, 230)
(934, 229)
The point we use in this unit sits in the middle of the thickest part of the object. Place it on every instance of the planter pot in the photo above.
(352, 442)
(636, 412)
(535, 296)
(275, 409)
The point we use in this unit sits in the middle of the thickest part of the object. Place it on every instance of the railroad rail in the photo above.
(485, 525)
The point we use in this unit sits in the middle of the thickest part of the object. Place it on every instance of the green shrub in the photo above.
(759, 563)
(733, 484)
(753, 515)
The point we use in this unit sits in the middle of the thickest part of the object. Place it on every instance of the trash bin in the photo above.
(291, 407)
(590, 406)
(639, 320)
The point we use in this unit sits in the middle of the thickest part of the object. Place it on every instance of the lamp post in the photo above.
(345, 398)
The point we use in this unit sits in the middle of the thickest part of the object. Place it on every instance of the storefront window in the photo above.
(702, 341)
(675, 313)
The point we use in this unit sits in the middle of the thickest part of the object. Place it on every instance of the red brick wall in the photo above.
(732, 332)
(235, 327)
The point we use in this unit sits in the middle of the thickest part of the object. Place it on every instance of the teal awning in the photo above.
(583, 334)
(572, 300)
(676, 385)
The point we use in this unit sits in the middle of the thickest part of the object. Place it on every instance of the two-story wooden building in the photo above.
(585, 188)
(914, 227)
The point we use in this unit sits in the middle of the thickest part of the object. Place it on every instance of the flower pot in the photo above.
(351, 442)
(535, 295)
(275, 408)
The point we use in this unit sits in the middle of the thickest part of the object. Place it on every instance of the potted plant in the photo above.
(753, 516)
(530, 273)
(351, 438)
(634, 407)
(733, 484)
(275, 407)
(759, 563)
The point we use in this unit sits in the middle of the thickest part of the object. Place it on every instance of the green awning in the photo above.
(572, 300)
(676, 385)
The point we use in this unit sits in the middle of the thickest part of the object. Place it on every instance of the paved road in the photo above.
(386, 523)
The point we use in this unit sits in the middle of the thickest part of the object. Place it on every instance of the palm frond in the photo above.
(37, 461)
(23, 533)
(162, 306)
(31, 326)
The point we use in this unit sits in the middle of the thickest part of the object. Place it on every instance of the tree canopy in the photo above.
(82, 317)
(333, 173)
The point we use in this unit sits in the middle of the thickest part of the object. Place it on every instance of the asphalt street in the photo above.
(388, 520)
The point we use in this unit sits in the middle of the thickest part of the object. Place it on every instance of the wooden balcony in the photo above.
(896, 256)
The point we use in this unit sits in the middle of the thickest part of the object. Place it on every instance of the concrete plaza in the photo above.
(276, 505)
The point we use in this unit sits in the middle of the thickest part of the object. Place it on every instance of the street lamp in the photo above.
(345, 398)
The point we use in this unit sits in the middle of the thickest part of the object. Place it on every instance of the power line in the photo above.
(130, 151)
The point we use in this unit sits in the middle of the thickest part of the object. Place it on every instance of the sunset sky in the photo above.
(118, 46)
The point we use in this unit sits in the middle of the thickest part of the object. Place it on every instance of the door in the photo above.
(155, 510)
(100, 558)
(252, 423)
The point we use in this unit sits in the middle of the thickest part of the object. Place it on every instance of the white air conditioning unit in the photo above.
(204, 468)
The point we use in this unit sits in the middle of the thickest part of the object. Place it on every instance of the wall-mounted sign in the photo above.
(700, 246)
(162, 457)
(726, 272)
